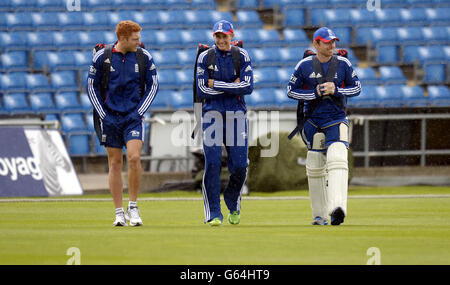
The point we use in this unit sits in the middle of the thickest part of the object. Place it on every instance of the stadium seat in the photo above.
(13, 82)
(95, 20)
(269, 37)
(184, 78)
(438, 16)
(435, 73)
(20, 5)
(99, 4)
(193, 37)
(42, 40)
(264, 77)
(316, 3)
(37, 82)
(260, 98)
(414, 96)
(435, 34)
(66, 40)
(282, 100)
(72, 122)
(79, 144)
(64, 80)
(367, 75)
(51, 5)
(390, 96)
(290, 56)
(330, 17)
(202, 4)
(16, 103)
(391, 75)
(413, 16)
(167, 79)
(265, 56)
(88, 39)
(284, 74)
(13, 41)
(45, 20)
(82, 59)
(388, 16)
(161, 100)
(366, 99)
(294, 18)
(85, 102)
(99, 149)
(409, 35)
(70, 21)
(388, 54)
(344, 34)
(126, 4)
(42, 103)
(52, 117)
(439, 95)
(68, 102)
(197, 19)
(18, 21)
(423, 54)
(248, 19)
(247, 4)
(14, 61)
(295, 37)
(168, 38)
(171, 19)
(186, 58)
(362, 17)
(165, 59)
(394, 3)
(181, 100)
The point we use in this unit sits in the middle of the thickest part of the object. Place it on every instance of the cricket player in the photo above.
(325, 129)
(224, 111)
(121, 111)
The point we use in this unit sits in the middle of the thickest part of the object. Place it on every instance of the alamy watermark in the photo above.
(75, 256)
(374, 254)
(373, 5)
(73, 5)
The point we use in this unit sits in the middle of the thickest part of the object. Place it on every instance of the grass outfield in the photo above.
(405, 230)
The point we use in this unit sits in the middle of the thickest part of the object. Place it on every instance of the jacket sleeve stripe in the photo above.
(94, 99)
(151, 95)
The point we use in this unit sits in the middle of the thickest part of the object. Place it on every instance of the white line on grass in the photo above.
(50, 199)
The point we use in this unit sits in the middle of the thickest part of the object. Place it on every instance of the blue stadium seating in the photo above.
(388, 54)
(409, 35)
(265, 77)
(344, 34)
(295, 37)
(168, 39)
(13, 41)
(435, 34)
(51, 5)
(413, 16)
(362, 17)
(193, 37)
(166, 58)
(64, 80)
(294, 18)
(248, 19)
(390, 96)
(247, 4)
(422, 54)
(414, 96)
(19, 21)
(269, 37)
(86, 105)
(282, 100)
(37, 82)
(330, 17)
(186, 58)
(79, 144)
(167, 79)
(13, 82)
(264, 97)
(42, 40)
(72, 122)
(290, 56)
(183, 99)
(95, 20)
(439, 95)
(42, 103)
(14, 61)
(184, 78)
(70, 21)
(16, 103)
(284, 74)
(392, 75)
(65, 39)
(265, 56)
(20, 5)
(45, 20)
(366, 99)
(68, 102)
(435, 73)
(388, 16)
(438, 16)
(161, 100)
(367, 75)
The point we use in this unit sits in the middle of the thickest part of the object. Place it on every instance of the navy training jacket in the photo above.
(123, 94)
(302, 86)
(225, 95)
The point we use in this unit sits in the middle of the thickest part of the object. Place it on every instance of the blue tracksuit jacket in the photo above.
(302, 86)
(123, 95)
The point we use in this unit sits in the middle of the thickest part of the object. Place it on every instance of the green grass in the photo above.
(407, 231)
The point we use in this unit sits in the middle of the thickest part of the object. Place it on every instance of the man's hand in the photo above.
(210, 83)
(237, 80)
(327, 88)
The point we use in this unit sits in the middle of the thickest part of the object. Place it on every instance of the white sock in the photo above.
(119, 211)
(132, 204)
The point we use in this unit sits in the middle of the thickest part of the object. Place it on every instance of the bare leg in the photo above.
(115, 163)
(134, 148)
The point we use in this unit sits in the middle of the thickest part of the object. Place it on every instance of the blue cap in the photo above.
(325, 35)
(223, 27)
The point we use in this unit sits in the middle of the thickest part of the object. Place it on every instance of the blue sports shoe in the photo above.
(319, 221)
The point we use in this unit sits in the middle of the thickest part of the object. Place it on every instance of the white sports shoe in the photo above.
(120, 221)
(132, 216)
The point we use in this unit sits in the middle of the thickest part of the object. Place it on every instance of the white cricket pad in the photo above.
(317, 182)
(337, 166)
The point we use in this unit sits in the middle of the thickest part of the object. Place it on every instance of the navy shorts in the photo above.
(336, 131)
(117, 131)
